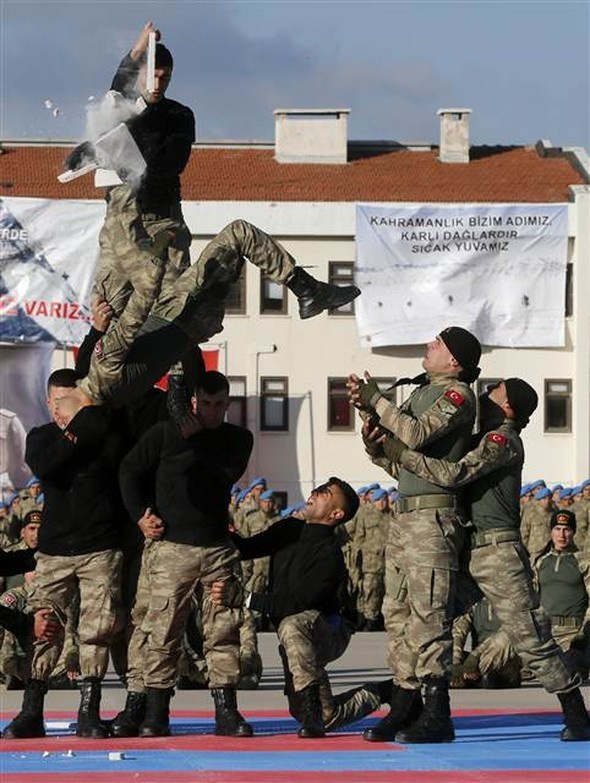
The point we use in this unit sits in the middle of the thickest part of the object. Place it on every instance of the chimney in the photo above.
(311, 135)
(454, 135)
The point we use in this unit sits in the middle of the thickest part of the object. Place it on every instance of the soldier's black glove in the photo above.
(80, 156)
(369, 394)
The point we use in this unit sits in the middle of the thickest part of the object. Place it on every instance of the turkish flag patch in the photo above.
(99, 349)
(495, 437)
(455, 397)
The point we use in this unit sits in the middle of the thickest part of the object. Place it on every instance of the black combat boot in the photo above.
(29, 722)
(434, 724)
(128, 721)
(156, 722)
(228, 721)
(310, 710)
(577, 722)
(288, 689)
(315, 296)
(89, 723)
(405, 706)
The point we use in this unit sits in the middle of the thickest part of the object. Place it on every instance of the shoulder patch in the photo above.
(498, 438)
(8, 600)
(455, 397)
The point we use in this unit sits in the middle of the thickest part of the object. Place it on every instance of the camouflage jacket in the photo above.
(490, 473)
(436, 420)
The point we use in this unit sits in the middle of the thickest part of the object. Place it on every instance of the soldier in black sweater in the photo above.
(79, 550)
(307, 583)
(185, 520)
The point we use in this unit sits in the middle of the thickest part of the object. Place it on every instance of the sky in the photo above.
(522, 66)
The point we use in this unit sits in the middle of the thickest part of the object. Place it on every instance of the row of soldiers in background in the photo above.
(490, 662)
(363, 538)
(13, 509)
(538, 502)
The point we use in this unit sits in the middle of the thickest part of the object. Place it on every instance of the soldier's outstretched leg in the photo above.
(219, 266)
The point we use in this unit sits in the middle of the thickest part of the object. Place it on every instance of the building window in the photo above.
(341, 273)
(558, 405)
(237, 413)
(340, 411)
(274, 404)
(281, 499)
(235, 302)
(273, 297)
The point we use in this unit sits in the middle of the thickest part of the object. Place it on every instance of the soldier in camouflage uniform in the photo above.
(30, 495)
(187, 548)
(562, 575)
(144, 266)
(371, 538)
(535, 526)
(77, 462)
(426, 534)
(491, 475)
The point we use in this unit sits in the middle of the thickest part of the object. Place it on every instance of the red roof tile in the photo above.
(494, 174)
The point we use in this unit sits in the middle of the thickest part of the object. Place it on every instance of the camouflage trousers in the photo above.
(421, 564)
(503, 572)
(97, 577)
(219, 265)
(192, 663)
(372, 590)
(136, 262)
(309, 640)
(170, 575)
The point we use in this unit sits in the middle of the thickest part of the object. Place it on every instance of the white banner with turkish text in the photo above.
(498, 270)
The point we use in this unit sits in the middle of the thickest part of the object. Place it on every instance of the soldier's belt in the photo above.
(419, 502)
(499, 536)
(567, 622)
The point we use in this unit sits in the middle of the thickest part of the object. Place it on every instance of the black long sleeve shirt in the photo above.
(307, 569)
(78, 472)
(194, 477)
(164, 133)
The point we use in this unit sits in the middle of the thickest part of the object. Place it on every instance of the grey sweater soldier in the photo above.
(426, 535)
(491, 475)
